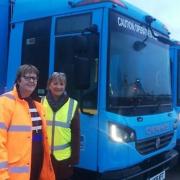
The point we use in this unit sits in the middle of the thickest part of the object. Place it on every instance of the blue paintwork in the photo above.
(98, 152)
(174, 61)
(14, 60)
(4, 8)
(125, 155)
(31, 9)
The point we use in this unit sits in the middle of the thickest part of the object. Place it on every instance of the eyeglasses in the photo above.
(29, 78)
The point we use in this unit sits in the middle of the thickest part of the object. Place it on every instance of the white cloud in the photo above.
(164, 10)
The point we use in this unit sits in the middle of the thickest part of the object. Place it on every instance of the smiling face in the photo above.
(57, 84)
(57, 87)
(27, 84)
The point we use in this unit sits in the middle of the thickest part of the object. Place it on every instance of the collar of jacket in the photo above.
(17, 94)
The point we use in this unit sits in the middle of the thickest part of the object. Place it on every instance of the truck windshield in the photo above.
(138, 80)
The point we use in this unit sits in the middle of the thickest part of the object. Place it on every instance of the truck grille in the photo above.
(149, 145)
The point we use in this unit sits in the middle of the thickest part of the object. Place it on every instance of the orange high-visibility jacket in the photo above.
(16, 139)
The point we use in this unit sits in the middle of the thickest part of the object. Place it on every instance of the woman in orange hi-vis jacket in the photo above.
(24, 150)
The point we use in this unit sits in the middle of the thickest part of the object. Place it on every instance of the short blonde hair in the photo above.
(59, 76)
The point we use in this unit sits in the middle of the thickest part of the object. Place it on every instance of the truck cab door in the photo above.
(77, 41)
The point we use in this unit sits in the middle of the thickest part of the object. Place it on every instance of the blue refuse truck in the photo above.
(116, 58)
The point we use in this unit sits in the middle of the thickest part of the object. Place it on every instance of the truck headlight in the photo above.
(119, 133)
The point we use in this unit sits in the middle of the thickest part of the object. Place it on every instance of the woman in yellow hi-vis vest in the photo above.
(63, 129)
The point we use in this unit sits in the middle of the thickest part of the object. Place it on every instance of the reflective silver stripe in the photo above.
(42, 99)
(36, 127)
(36, 118)
(53, 131)
(70, 111)
(3, 165)
(49, 122)
(61, 147)
(33, 110)
(69, 117)
(22, 169)
(2, 125)
(10, 96)
(58, 123)
(19, 128)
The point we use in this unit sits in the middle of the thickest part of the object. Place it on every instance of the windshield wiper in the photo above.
(159, 100)
(149, 100)
(146, 100)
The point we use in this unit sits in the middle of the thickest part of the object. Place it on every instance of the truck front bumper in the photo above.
(146, 169)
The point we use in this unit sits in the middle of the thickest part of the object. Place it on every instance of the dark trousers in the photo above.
(62, 169)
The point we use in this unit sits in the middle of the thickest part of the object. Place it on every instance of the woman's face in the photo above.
(57, 87)
(27, 84)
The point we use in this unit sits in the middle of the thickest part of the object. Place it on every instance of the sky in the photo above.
(167, 11)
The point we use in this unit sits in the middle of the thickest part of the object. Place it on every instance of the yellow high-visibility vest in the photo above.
(58, 128)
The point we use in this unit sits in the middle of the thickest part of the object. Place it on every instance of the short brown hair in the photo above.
(24, 69)
(56, 76)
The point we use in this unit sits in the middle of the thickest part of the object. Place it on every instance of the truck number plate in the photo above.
(160, 176)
